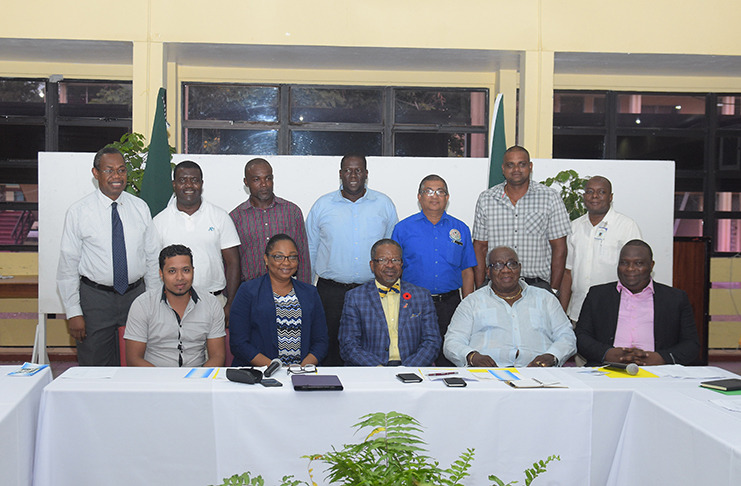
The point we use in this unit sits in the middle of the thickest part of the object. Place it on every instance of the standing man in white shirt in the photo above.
(107, 252)
(594, 245)
(206, 229)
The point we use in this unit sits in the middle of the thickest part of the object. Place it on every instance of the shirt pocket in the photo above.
(453, 253)
(535, 223)
(608, 253)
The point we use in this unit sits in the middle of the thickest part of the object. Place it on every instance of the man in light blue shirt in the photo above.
(509, 323)
(342, 227)
(438, 252)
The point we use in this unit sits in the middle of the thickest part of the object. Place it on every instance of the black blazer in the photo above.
(675, 334)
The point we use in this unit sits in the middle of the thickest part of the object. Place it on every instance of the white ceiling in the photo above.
(368, 58)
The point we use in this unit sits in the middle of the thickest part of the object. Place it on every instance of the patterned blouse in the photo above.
(288, 322)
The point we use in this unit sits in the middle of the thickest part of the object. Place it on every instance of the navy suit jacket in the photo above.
(252, 328)
(364, 336)
(675, 334)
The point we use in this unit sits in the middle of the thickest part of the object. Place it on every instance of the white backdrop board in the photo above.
(649, 199)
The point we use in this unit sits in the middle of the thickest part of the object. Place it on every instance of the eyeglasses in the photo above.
(498, 266)
(432, 192)
(384, 261)
(297, 369)
(119, 171)
(279, 258)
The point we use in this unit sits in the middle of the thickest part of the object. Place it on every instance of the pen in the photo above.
(444, 374)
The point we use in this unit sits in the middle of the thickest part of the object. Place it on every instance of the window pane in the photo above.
(228, 102)
(661, 111)
(728, 235)
(336, 105)
(88, 139)
(729, 152)
(18, 227)
(688, 195)
(97, 100)
(578, 110)
(729, 111)
(579, 146)
(434, 107)
(688, 152)
(728, 197)
(21, 141)
(215, 141)
(687, 227)
(335, 143)
(440, 144)
(21, 97)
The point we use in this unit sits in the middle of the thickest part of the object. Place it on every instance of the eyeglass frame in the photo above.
(278, 258)
(430, 192)
(511, 264)
(298, 369)
(384, 261)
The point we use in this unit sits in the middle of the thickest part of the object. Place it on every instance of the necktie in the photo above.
(383, 291)
(120, 267)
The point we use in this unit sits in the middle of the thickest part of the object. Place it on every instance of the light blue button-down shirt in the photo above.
(512, 335)
(341, 233)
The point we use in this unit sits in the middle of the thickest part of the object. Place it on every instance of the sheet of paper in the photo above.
(642, 373)
(687, 372)
(86, 373)
(199, 373)
(732, 404)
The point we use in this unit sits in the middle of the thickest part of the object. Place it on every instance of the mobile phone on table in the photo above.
(454, 381)
(409, 378)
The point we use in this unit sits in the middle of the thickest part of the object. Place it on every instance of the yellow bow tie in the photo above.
(383, 291)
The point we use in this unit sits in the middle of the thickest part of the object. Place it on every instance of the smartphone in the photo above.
(409, 378)
(454, 381)
(270, 382)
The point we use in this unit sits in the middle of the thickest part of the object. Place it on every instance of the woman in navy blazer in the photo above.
(252, 321)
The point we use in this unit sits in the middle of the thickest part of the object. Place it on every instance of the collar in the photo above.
(609, 216)
(649, 289)
(193, 295)
(173, 205)
(421, 216)
(523, 285)
(106, 201)
(276, 201)
(369, 196)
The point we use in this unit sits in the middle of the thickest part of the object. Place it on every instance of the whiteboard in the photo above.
(66, 177)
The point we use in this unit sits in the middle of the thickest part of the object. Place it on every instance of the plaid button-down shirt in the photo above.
(256, 226)
(527, 227)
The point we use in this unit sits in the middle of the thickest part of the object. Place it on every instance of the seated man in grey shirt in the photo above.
(175, 325)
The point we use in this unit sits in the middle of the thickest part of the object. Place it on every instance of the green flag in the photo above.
(498, 144)
(157, 181)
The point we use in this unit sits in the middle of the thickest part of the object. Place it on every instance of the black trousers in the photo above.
(332, 295)
(445, 310)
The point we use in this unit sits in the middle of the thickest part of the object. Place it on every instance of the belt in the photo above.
(218, 292)
(108, 288)
(339, 284)
(445, 296)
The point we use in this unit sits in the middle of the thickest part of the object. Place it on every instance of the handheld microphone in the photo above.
(630, 368)
(274, 366)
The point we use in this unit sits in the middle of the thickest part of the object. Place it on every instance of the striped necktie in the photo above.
(120, 267)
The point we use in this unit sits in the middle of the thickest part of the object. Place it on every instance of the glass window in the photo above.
(729, 152)
(22, 97)
(729, 111)
(579, 109)
(660, 111)
(21, 141)
(231, 103)
(578, 146)
(96, 100)
(334, 143)
(218, 141)
(88, 139)
(445, 108)
(727, 196)
(18, 227)
(336, 105)
(688, 227)
(728, 235)
(688, 195)
(440, 144)
(687, 152)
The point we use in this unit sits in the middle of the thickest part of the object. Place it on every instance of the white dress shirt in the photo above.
(86, 246)
(594, 252)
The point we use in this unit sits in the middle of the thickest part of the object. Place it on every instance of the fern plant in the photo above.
(530, 473)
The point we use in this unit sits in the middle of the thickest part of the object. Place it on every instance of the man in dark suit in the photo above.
(387, 321)
(636, 320)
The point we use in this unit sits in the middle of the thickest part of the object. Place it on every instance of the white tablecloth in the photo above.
(19, 411)
(152, 426)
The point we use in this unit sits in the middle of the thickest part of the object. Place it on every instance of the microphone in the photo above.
(274, 366)
(630, 368)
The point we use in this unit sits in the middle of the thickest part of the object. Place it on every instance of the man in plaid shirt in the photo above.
(526, 216)
(263, 216)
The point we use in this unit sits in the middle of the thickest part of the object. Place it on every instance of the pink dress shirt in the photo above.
(635, 325)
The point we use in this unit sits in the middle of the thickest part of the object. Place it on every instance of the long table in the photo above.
(19, 408)
(153, 426)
